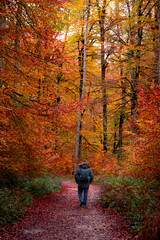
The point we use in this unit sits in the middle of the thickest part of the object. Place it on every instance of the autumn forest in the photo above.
(80, 80)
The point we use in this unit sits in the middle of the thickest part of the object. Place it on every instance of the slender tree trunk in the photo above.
(103, 74)
(121, 119)
(17, 40)
(38, 52)
(78, 138)
(2, 26)
(17, 48)
(158, 83)
(102, 14)
(135, 74)
(117, 147)
(81, 63)
(104, 95)
(123, 103)
(115, 139)
(134, 85)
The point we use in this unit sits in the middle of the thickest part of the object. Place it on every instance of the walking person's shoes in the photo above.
(81, 204)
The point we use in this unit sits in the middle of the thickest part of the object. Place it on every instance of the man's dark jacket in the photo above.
(78, 172)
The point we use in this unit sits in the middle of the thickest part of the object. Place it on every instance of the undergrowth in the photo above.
(16, 195)
(135, 198)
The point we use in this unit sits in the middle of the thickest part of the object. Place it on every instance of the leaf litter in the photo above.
(58, 216)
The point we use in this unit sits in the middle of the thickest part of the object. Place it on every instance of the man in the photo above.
(83, 177)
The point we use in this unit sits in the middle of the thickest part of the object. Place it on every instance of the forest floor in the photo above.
(58, 216)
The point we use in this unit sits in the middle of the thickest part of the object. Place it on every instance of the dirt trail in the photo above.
(58, 216)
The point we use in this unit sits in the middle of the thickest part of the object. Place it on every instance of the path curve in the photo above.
(58, 216)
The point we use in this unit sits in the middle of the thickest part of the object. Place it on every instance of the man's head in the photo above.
(83, 163)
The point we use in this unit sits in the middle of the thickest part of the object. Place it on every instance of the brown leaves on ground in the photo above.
(58, 216)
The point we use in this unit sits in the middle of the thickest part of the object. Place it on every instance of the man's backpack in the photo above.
(84, 175)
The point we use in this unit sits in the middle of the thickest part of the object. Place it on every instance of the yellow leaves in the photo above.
(127, 133)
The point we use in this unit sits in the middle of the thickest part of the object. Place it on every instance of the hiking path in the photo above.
(58, 216)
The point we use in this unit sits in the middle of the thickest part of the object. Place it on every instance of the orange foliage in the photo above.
(147, 149)
(40, 87)
(34, 110)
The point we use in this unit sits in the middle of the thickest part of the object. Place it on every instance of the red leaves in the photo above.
(30, 115)
(148, 141)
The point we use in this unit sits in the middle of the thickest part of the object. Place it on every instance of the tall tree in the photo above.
(122, 116)
(159, 42)
(78, 147)
(2, 39)
(102, 16)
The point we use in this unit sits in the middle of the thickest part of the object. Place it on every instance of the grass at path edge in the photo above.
(15, 197)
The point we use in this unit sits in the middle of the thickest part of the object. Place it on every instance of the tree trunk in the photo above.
(135, 73)
(17, 40)
(115, 139)
(2, 26)
(81, 63)
(121, 119)
(78, 137)
(158, 83)
(102, 13)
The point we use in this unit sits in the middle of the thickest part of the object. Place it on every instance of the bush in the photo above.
(131, 196)
(12, 203)
(99, 179)
(44, 185)
(14, 200)
(151, 228)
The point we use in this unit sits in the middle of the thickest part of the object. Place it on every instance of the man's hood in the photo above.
(84, 165)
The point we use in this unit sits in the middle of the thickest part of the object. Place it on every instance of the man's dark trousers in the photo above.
(82, 191)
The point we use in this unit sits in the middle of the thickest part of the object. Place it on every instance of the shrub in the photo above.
(13, 200)
(12, 203)
(44, 185)
(131, 196)
(151, 228)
